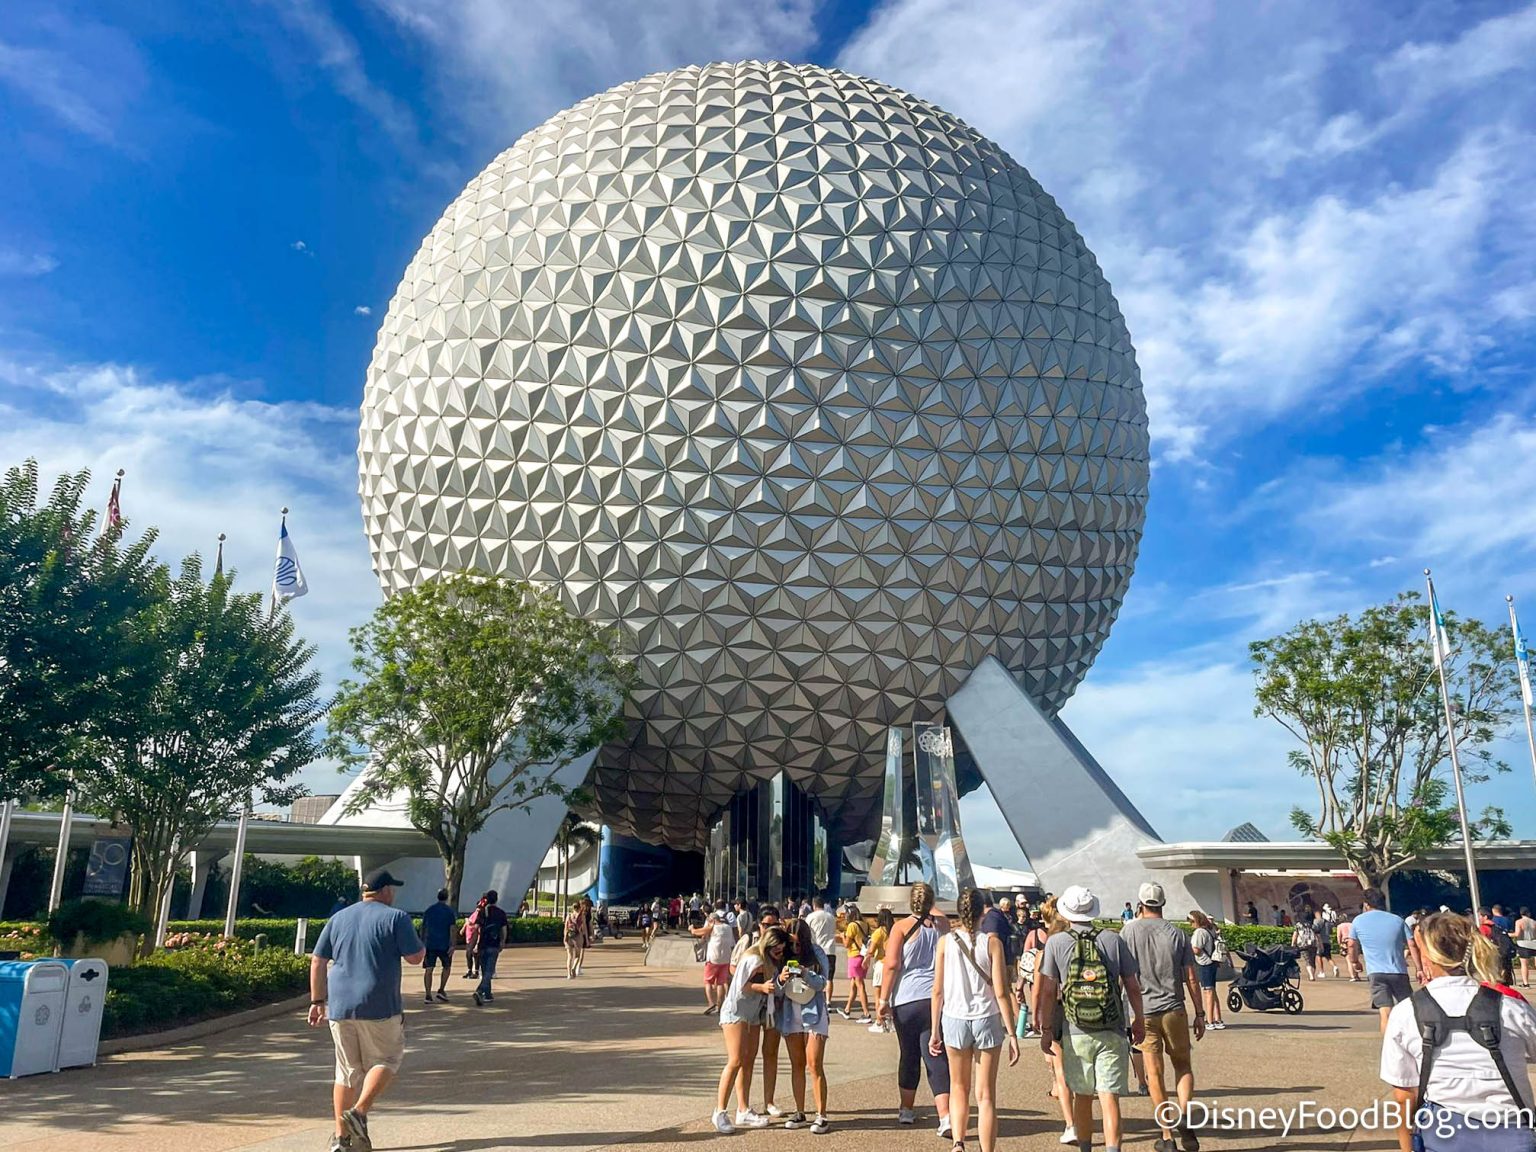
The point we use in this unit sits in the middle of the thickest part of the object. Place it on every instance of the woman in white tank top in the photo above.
(973, 1017)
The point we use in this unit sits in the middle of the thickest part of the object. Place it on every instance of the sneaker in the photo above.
(487, 997)
(442, 995)
(340, 1144)
(1188, 1141)
(944, 1127)
(356, 1125)
(865, 1020)
(906, 1116)
(842, 1013)
(877, 1028)
(773, 1110)
(747, 1118)
(708, 1008)
(1069, 1136)
(428, 1001)
(479, 999)
(795, 1121)
(723, 1124)
(1161, 1145)
(820, 1126)
(1220, 1025)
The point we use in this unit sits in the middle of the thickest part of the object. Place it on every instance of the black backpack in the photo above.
(1481, 1022)
(493, 926)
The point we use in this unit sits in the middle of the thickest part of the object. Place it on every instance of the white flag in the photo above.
(1522, 660)
(1437, 640)
(288, 581)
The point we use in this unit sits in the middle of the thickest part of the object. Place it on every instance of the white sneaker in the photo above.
(723, 1124)
(774, 1110)
(866, 1020)
(1067, 1137)
(820, 1126)
(749, 1119)
(906, 1116)
(944, 1128)
(880, 1028)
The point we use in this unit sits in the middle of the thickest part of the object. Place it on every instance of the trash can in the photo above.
(31, 1012)
(80, 1031)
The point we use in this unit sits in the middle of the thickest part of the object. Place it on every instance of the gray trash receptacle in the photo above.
(31, 1012)
(86, 997)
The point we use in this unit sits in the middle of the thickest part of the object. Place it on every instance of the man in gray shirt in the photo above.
(1167, 965)
(1094, 1061)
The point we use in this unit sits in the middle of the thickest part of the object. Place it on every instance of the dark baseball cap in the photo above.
(380, 879)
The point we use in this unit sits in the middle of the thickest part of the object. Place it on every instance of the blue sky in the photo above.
(1318, 220)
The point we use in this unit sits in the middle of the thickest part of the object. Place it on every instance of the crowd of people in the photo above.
(1107, 1008)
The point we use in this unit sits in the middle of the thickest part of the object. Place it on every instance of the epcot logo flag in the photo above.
(1437, 639)
(288, 581)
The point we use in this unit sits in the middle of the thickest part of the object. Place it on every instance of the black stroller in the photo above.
(1270, 979)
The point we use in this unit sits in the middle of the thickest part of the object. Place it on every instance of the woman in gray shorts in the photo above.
(973, 1016)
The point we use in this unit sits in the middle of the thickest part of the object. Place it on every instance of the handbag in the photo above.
(796, 989)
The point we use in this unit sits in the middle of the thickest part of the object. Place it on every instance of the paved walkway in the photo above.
(624, 1055)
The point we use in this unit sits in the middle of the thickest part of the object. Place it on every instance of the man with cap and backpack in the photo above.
(1086, 977)
(491, 919)
(354, 983)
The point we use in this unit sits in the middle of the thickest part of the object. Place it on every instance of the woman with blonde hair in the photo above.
(747, 1005)
(884, 922)
(906, 993)
(1474, 1088)
(855, 939)
(1203, 943)
(576, 937)
(972, 1017)
(1052, 922)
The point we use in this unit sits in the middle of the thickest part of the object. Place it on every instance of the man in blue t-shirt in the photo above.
(354, 982)
(437, 925)
(1382, 939)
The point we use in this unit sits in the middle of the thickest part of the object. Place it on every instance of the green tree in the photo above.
(572, 837)
(1362, 697)
(228, 714)
(69, 595)
(472, 692)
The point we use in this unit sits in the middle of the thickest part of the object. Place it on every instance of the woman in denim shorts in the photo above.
(973, 1016)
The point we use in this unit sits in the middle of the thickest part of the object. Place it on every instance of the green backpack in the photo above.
(1090, 995)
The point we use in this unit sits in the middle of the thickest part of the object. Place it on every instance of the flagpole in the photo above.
(218, 563)
(6, 808)
(235, 870)
(163, 916)
(1525, 699)
(1441, 653)
(61, 855)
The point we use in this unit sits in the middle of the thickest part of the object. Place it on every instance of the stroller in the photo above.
(1270, 979)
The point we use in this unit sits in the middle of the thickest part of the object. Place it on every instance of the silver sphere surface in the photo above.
(796, 377)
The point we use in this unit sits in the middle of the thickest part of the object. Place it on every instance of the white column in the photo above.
(234, 872)
(61, 856)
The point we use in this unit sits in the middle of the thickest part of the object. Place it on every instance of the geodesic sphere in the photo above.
(797, 378)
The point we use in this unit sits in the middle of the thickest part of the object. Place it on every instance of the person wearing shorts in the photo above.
(719, 938)
(1383, 940)
(437, 924)
(1094, 1063)
(354, 983)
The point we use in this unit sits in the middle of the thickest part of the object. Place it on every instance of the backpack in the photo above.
(1305, 937)
(1090, 994)
(492, 929)
(1219, 951)
(1481, 1022)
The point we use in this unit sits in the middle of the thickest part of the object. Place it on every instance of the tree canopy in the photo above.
(1361, 695)
(227, 715)
(472, 692)
(69, 598)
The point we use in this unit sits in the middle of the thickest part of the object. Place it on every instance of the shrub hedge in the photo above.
(177, 987)
(1237, 936)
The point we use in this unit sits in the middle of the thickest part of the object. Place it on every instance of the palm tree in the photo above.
(909, 859)
(573, 836)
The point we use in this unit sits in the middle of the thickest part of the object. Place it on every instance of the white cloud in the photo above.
(301, 247)
(201, 459)
(362, 310)
(1464, 495)
(502, 68)
(51, 80)
(337, 53)
(1280, 232)
(14, 262)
